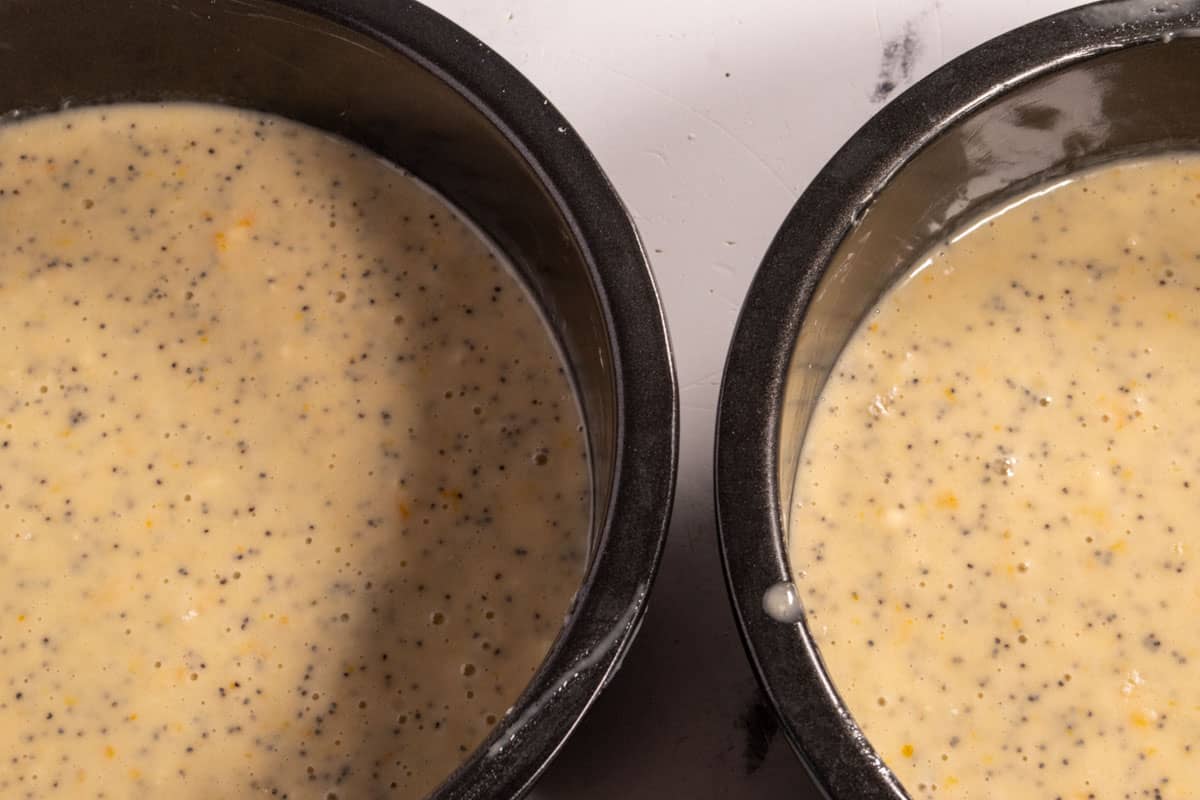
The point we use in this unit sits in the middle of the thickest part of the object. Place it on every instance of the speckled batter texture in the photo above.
(998, 498)
(293, 490)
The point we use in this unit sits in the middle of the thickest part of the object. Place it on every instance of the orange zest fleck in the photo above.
(946, 500)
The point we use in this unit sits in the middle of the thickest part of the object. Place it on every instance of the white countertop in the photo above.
(710, 117)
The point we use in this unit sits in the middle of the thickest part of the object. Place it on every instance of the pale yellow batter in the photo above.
(293, 493)
(996, 529)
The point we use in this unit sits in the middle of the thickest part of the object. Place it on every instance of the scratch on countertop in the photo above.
(658, 154)
(695, 112)
(703, 383)
(937, 18)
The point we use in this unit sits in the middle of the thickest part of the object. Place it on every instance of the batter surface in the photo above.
(995, 534)
(293, 491)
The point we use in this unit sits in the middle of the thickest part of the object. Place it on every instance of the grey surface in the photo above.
(710, 116)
